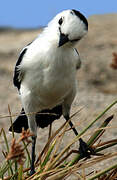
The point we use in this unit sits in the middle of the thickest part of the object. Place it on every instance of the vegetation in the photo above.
(54, 163)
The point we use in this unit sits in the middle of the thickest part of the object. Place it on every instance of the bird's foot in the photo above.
(85, 150)
(32, 171)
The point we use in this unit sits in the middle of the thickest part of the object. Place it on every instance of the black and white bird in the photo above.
(45, 75)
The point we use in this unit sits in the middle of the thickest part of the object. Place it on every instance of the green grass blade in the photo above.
(105, 147)
(6, 141)
(10, 115)
(98, 132)
(20, 172)
(28, 154)
(5, 168)
(98, 117)
(103, 172)
(48, 154)
(7, 146)
(95, 120)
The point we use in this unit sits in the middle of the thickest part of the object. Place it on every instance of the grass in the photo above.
(56, 164)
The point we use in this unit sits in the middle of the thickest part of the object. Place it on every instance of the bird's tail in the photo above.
(20, 122)
(43, 119)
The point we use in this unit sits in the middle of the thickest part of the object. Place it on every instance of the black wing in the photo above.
(42, 120)
(16, 80)
(20, 122)
(48, 116)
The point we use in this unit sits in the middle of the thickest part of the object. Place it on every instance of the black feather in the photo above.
(78, 14)
(42, 120)
(20, 122)
(16, 81)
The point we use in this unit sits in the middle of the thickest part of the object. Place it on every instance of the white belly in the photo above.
(54, 90)
(49, 81)
(49, 89)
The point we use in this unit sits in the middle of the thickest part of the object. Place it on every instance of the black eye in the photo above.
(60, 21)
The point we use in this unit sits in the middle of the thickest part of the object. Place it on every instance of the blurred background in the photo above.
(32, 14)
(21, 22)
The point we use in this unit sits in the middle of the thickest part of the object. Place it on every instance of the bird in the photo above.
(45, 75)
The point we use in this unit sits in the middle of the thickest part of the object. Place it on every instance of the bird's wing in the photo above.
(20, 122)
(43, 119)
(78, 64)
(17, 72)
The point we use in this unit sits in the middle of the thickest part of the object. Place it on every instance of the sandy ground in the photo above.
(97, 81)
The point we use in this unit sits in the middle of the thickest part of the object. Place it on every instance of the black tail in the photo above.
(43, 120)
(20, 122)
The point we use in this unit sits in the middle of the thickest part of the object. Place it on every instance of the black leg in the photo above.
(71, 125)
(33, 155)
(73, 128)
(84, 150)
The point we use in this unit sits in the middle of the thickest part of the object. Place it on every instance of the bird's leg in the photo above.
(33, 128)
(32, 171)
(84, 150)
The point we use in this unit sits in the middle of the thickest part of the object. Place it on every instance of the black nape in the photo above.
(78, 14)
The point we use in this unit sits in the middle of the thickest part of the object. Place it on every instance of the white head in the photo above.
(70, 26)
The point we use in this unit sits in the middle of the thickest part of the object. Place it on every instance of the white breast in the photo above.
(50, 77)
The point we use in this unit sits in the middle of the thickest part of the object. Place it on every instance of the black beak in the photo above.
(63, 39)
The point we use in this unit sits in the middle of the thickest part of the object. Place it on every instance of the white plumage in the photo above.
(48, 80)
(46, 72)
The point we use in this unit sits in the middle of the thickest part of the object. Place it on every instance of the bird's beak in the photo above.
(63, 39)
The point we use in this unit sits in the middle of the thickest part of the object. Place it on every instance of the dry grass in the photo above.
(55, 164)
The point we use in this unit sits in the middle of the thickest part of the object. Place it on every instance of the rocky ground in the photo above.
(97, 81)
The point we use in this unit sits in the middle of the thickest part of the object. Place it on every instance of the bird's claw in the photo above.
(32, 172)
(85, 150)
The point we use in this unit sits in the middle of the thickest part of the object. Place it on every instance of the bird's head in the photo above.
(71, 26)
